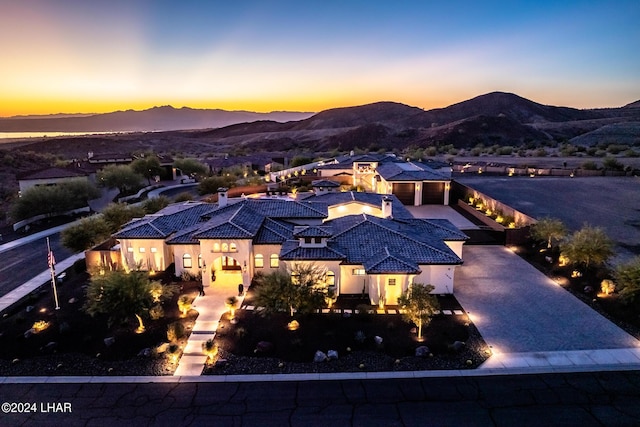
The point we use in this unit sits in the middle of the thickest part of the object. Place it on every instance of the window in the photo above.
(229, 263)
(274, 261)
(129, 249)
(141, 250)
(225, 247)
(200, 261)
(233, 248)
(318, 240)
(331, 278)
(186, 261)
(258, 261)
(295, 278)
(154, 250)
(391, 282)
(358, 272)
(307, 239)
(216, 247)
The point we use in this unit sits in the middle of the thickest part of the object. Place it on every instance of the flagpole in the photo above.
(51, 261)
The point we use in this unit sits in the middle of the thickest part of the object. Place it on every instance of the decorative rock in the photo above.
(332, 355)
(29, 308)
(29, 333)
(588, 290)
(422, 351)
(378, 340)
(51, 347)
(109, 341)
(73, 300)
(413, 330)
(264, 347)
(319, 357)
(64, 328)
(145, 352)
(457, 346)
(15, 361)
(162, 348)
(221, 363)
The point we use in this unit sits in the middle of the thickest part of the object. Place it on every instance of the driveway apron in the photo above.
(518, 309)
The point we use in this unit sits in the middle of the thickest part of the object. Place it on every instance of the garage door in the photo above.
(405, 192)
(433, 193)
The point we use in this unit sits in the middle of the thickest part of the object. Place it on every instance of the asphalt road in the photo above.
(579, 399)
(24, 262)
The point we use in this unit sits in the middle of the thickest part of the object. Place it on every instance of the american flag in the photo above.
(50, 259)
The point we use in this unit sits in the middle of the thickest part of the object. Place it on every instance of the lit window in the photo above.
(129, 249)
(200, 261)
(275, 261)
(225, 247)
(141, 250)
(154, 250)
(295, 278)
(391, 282)
(331, 278)
(358, 272)
(186, 261)
(233, 248)
(216, 247)
(258, 261)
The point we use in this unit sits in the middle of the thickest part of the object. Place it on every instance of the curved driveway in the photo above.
(518, 309)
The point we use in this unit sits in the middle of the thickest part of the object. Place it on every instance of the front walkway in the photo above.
(211, 307)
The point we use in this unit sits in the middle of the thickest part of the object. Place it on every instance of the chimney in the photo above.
(387, 207)
(222, 197)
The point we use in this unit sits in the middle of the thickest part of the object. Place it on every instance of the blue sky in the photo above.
(95, 56)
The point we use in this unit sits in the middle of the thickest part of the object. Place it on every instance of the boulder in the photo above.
(264, 347)
(30, 308)
(51, 347)
(145, 352)
(332, 355)
(319, 357)
(73, 300)
(422, 351)
(457, 346)
(109, 341)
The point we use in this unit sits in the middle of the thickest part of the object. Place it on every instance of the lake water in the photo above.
(20, 135)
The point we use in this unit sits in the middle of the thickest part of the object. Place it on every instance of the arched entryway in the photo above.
(227, 271)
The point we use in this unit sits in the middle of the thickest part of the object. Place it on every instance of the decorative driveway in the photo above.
(518, 309)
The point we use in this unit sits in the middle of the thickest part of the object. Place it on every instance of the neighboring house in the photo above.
(414, 183)
(51, 176)
(368, 243)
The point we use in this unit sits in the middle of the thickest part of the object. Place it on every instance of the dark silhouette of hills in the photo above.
(494, 118)
(154, 119)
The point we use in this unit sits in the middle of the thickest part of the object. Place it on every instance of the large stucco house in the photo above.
(414, 183)
(369, 243)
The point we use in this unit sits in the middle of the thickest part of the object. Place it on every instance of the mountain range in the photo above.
(494, 118)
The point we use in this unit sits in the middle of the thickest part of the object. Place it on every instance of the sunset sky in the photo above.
(99, 56)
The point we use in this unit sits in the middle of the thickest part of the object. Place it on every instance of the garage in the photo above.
(405, 192)
(433, 193)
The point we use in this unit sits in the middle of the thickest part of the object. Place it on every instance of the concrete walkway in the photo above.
(211, 307)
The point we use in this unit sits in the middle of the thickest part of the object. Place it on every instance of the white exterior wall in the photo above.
(266, 251)
(379, 287)
(212, 258)
(28, 183)
(132, 255)
(456, 247)
(353, 208)
(440, 276)
(351, 284)
(179, 251)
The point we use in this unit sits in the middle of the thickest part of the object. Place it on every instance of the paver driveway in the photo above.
(518, 309)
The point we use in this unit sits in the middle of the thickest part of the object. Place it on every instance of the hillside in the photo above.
(154, 119)
(495, 118)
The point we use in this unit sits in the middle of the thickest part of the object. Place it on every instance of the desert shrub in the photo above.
(156, 312)
(175, 332)
(589, 165)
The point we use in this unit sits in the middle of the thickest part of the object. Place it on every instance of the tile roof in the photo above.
(405, 171)
(291, 250)
(373, 199)
(361, 236)
(173, 218)
(312, 231)
(273, 232)
(324, 183)
(386, 263)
